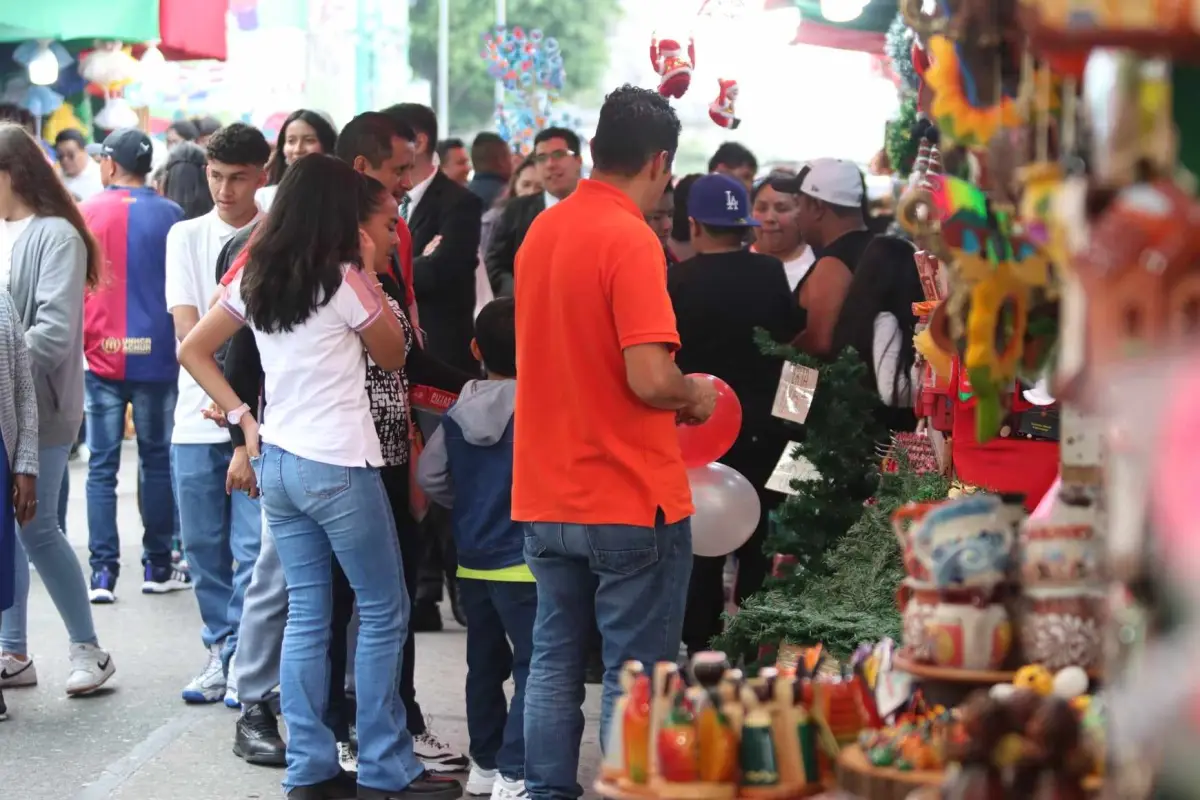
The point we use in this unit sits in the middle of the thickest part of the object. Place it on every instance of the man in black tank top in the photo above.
(832, 211)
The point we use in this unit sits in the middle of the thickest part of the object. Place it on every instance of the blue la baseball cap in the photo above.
(721, 201)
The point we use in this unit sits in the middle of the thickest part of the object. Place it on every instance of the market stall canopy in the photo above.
(186, 29)
(864, 33)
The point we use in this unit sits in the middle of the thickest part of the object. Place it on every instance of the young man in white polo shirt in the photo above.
(219, 530)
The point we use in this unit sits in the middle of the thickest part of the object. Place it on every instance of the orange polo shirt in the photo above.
(590, 281)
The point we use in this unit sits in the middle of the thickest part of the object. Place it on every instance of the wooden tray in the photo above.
(930, 672)
(857, 775)
(612, 791)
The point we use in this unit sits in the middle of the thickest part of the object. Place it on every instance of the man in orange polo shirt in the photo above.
(598, 477)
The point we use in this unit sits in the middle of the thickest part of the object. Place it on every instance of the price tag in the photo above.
(791, 469)
(794, 397)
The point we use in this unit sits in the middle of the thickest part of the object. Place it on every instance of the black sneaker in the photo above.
(162, 580)
(427, 785)
(257, 740)
(339, 787)
(456, 609)
(425, 618)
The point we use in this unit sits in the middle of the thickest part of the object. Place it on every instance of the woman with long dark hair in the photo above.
(877, 320)
(185, 181)
(303, 132)
(47, 259)
(317, 313)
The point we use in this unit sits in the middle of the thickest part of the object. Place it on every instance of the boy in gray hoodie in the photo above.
(467, 467)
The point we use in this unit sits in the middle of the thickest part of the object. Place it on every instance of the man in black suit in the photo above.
(493, 168)
(444, 219)
(556, 154)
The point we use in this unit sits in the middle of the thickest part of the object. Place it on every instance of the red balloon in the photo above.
(705, 443)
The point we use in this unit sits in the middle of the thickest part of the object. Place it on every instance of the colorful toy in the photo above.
(721, 110)
(529, 65)
(673, 68)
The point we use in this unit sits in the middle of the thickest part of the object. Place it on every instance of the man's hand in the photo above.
(25, 498)
(433, 245)
(241, 475)
(701, 404)
(214, 414)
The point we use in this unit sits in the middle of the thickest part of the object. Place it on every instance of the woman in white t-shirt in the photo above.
(877, 320)
(303, 132)
(316, 316)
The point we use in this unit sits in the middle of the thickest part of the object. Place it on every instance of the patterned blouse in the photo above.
(388, 392)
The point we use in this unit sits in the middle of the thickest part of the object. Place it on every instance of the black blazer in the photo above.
(444, 280)
(510, 231)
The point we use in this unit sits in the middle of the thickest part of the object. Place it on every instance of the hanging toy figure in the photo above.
(721, 109)
(673, 67)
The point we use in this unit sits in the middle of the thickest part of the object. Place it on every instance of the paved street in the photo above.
(138, 741)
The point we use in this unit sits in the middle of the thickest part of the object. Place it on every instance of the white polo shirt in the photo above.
(315, 377)
(192, 249)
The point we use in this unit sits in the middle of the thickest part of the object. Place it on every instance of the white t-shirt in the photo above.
(192, 250)
(265, 196)
(9, 233)
(315, 377)
(886, 351)
(799, 266)
(86, 183)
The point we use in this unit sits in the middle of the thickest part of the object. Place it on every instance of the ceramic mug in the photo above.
(1053, 553)
(917, 601)
(904, 522)
(966, 542)
(1063, 627)
(969, 635)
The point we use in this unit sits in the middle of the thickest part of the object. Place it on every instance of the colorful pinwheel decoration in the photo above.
(529, 65)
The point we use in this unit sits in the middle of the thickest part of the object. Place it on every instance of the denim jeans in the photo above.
(153, 419)
(633, 582)
(314, 511)
(498, 612)
(221, 536)
(42, 542)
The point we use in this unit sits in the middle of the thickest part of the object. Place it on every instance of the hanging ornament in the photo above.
(674, 69)
(117, 113)
(721, 110)
(43, 59)
(967, 109)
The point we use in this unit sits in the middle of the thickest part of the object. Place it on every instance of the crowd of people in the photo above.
(348, 442)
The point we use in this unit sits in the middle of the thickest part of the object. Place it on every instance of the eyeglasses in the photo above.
(556, 155)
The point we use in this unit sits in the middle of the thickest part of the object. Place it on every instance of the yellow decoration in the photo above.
(1035, 678)
(62, 119)
(956, 118)
(996, 328)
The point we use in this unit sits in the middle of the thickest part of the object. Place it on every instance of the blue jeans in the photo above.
(498, 612)
(221, 536)
(42, 542)
(314, 511)
(632, 582)
(153, 419)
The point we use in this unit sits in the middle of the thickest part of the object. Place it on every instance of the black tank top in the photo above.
(847, 248)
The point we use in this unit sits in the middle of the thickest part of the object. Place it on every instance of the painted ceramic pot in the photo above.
(917, 601)
(1063, 627)
(904, 522)
(1062, 549)
(969, 635)
(966, 543)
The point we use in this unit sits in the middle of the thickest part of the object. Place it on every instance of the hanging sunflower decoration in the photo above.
(960, 118)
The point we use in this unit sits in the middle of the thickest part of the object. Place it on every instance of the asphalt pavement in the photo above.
(136, 739)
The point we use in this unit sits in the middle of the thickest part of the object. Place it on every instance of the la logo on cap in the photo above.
(731, 202)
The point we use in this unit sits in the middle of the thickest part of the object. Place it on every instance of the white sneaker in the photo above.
(14, 673)
(91, 668)
(231, 689)
(480, 782)
(209, 685)
(437, 756)
(506, 789)
(346, 757)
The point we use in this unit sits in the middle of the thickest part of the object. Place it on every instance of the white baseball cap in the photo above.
(832, 180)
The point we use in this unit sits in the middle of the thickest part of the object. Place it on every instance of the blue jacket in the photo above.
(467, 467)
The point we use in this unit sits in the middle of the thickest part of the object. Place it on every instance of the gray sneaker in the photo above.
(209, 685)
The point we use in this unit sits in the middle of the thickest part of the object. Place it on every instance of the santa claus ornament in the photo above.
(673, 67)
(720, 110)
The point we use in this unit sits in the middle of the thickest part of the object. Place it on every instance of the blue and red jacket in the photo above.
(128, 334)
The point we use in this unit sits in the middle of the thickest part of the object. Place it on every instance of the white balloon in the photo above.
(727, 509)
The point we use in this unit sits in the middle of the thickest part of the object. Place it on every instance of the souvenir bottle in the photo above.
(635, 731)
(730, 691)
(664, 688)
(717, 740)
(614, 766)
(677, 744)
(784, 728)
(760, 769)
